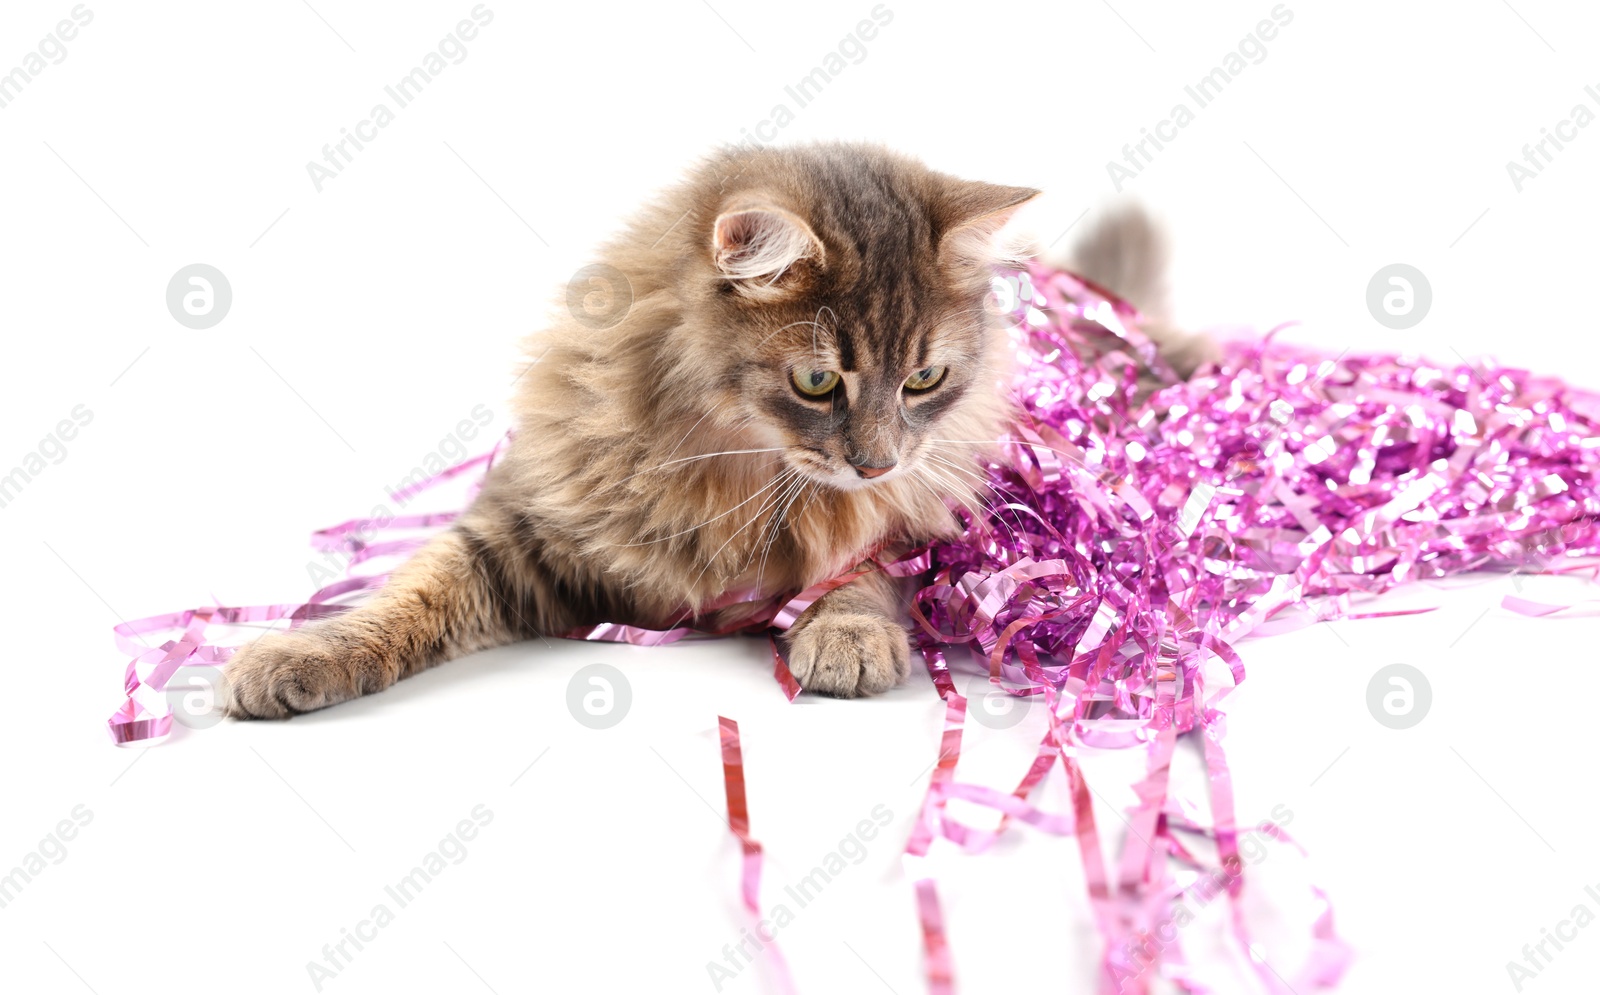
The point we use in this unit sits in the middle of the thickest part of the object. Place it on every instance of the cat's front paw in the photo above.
(283, 675)
(847, 655)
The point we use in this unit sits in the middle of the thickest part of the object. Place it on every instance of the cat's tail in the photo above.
(1125, 250)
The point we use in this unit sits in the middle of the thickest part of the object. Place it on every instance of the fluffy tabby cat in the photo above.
(805, 373)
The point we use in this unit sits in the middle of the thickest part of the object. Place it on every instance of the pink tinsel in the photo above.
(1132, 532)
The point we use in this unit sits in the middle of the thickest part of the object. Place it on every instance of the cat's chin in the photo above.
(854, 482)
(825, 475)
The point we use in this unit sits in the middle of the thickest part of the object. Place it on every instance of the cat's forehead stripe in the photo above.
(847, 352)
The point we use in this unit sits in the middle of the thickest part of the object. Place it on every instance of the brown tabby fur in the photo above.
(665, 461)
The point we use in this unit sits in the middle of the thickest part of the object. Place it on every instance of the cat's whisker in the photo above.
(985, 512)
(961, 495)
(790, 325)
(815, 325)
(955, 464)
(647, 542)
(966, 470)
(997, 443)
(772, 522)
(994, 512)
(950, 489)
(915, 477)
(701, 456)
(959, 491)
(786, 475)
(778, 522)
(709, 411)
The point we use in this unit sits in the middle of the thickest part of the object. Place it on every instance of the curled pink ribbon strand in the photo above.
(739, 824)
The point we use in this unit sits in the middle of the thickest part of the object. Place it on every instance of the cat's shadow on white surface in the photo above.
(541, 669)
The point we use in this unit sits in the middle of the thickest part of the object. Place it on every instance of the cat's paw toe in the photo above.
(280, 676)
(847, 655)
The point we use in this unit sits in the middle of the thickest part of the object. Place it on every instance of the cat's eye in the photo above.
(925, 379)
(814, 383)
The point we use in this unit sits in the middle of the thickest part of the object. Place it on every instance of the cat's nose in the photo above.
(868, 471)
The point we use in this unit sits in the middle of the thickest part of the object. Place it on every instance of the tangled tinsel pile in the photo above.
(1132, 532)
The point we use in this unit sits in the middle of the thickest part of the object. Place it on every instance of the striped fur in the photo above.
(609, 505)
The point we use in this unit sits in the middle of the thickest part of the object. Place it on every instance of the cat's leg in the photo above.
(455, 596)
(852, 641)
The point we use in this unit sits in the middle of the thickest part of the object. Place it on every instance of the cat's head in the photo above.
(840, 294)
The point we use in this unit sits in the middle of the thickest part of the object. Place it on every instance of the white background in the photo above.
(372, 317)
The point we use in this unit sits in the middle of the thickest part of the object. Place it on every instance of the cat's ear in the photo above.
(755, 247)
(972, 215)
